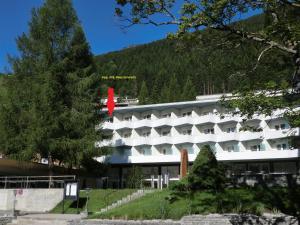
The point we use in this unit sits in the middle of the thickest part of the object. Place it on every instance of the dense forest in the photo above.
(171, 70)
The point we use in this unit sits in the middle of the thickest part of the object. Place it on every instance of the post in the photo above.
(152, 181)
(27, 182)
(63, 203)
(5, 184)
(183, 163)
(159, 182)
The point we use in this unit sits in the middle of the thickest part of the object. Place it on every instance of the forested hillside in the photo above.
(174, 71)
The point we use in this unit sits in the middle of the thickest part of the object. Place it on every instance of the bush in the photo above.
(206, 174)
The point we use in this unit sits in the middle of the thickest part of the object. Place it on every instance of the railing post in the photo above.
(5, 183)
(27, 182)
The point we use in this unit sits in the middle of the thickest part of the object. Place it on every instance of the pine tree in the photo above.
(53, 89)
(174, 89)
(205, 173)
(144, 94)
(189, 92)
(165, 94)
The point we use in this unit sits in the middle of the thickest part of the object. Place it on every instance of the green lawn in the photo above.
(150, 206)
(161, 205)
(99, 198)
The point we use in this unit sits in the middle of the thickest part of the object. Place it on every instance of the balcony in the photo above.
(276, 134)
(161, 140)
(210, 118)
(124, 125)
(162, 122)
(142, 141)
(183, 139)
(227, 118)
(228, 137)
(203, 138)
(256, 155)
(181, 121)
(142, 123)
(106, 126)
(248, 136)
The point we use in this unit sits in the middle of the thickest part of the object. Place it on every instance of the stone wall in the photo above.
(212, 219)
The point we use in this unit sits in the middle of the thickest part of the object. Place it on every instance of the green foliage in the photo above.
(273, 41)
(206, 66)
(48, 111)
(135, 178)
(206, 173)
(189, 92)
(144, 94)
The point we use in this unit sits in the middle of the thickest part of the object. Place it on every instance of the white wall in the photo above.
(30, 200)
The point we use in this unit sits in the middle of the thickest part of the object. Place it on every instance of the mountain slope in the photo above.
(213, 64)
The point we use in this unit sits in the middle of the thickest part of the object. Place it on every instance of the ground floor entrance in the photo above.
(119, 176)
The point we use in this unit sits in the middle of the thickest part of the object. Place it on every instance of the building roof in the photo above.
(200, 101)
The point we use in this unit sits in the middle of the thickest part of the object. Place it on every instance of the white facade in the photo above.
(152, 134)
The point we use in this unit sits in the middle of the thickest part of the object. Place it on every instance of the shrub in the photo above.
(205, 173)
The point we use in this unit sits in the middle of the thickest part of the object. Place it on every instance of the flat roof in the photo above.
(201, 100)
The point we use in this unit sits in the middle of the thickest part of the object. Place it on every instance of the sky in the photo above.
(102, 28)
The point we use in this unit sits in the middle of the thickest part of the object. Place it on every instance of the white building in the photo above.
(152, 136)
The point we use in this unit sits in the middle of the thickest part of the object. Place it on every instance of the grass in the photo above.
(151, 206)
(163, 205)
(98, 199)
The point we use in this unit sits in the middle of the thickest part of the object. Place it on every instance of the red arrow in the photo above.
(110, 101)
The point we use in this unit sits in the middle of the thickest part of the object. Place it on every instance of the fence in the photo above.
(35, 181)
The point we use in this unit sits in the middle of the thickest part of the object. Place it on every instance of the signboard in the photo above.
(71, 191)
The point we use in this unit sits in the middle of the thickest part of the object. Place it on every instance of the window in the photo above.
(124, 151)
(126, 135)
(209, 131)
(187, 114)
(146, 133)
(282, 146)
(166, 151)
(205, 113)
(187, 132)
(168, 115)
(110, 119)
(147, 117)
(259, 147)
(282, 126)
(232, 148)
(146, 151)
(165, 133)
(128, 118)
(230, 130)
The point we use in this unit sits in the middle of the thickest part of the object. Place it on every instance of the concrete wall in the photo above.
(30, 200)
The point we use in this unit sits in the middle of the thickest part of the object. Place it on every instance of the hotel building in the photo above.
(152, 136)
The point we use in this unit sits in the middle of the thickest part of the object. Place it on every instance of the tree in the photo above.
(52, 92)
(174, 89)
(135, 178)
(144, 94)
(189, 92)
(206, 174)
(280, 34)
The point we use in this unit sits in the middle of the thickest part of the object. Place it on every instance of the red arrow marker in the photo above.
(110, 101)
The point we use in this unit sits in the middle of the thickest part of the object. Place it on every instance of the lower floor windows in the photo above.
(282, 146)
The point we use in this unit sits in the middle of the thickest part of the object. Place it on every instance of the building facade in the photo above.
(152, 136)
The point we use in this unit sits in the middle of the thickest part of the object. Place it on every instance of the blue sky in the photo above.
(102, 28)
